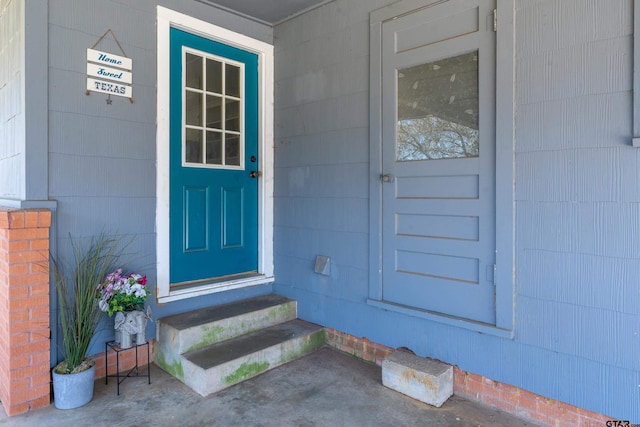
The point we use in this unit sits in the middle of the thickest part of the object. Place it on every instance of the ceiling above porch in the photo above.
(270, 12)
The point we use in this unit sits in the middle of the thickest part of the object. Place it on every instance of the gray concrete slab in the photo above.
(225, 351)
(210, 314)
(325, 388)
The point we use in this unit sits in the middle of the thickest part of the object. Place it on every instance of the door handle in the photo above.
(386, 178)
(255, 174)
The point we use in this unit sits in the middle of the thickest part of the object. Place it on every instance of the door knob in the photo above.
(255, 174)
(386, 178)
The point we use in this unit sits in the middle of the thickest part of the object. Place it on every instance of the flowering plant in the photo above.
(122, 292)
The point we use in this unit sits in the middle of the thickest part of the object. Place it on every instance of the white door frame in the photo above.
(167, 19)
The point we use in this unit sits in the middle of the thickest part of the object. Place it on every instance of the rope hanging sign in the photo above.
(109, 73)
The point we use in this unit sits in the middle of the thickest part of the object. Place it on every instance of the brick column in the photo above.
(24, 309)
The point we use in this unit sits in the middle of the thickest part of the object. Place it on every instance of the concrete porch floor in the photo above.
(325, 388)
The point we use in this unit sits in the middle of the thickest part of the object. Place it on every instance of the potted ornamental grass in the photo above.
(77, 286)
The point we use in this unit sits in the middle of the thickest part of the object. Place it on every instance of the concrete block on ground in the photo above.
(426, 380)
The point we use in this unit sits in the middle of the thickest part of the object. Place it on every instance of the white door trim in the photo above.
(167, 19)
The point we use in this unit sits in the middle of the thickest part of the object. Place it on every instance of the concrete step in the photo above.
(224, 364)
(187, 332)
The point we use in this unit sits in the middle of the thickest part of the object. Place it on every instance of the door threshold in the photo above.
(212, 280)
(196, 288)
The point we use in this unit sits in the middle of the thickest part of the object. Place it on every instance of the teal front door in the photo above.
(213, 195)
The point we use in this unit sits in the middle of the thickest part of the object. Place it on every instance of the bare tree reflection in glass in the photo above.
(438, 110)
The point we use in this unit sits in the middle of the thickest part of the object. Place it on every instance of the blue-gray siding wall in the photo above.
(12, 115)
(577, 333)
(102, 158)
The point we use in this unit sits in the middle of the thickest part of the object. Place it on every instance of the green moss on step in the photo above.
(211, 335)
(281, 311)
(313, 342)
(174, 368)
(246, 370)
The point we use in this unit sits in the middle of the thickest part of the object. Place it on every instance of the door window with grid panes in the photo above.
(213, 111)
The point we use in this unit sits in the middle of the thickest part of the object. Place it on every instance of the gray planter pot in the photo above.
(129, 325)
(73, 390)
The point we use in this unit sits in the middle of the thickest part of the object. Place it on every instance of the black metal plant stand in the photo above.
(133, 372)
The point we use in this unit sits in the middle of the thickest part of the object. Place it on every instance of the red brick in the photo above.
(15, 409)
(19, 339)
(568, 417)
(31, 302)
(553, 410)
(17, 269)
(39, 288)
(17, 245)
(369, 357)
(40, 267)
(36, 346)
(29, 371)
(26, 326)
(528, 405)
(41, 402)
(31, 394)
(31, 219)
(28, 234)
(458, 383)
(474, 385)
(491, 400)
(29, 256)
(41, 335)
(546, 412)
(4, 219)
(40, 390)
(42, 357)
(383, 348)
(16, 219)
(17, 292)
(510, 396)
(4, 397)
(344, 348)
(39, 313)
(21, 384)
(489, 389)
(591, 419)
(26, 280)
(39, 244)
(16, 316)
(44, 218)
(595, 416)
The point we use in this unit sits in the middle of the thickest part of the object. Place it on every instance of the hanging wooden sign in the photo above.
(101, 72)
(109, 73)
